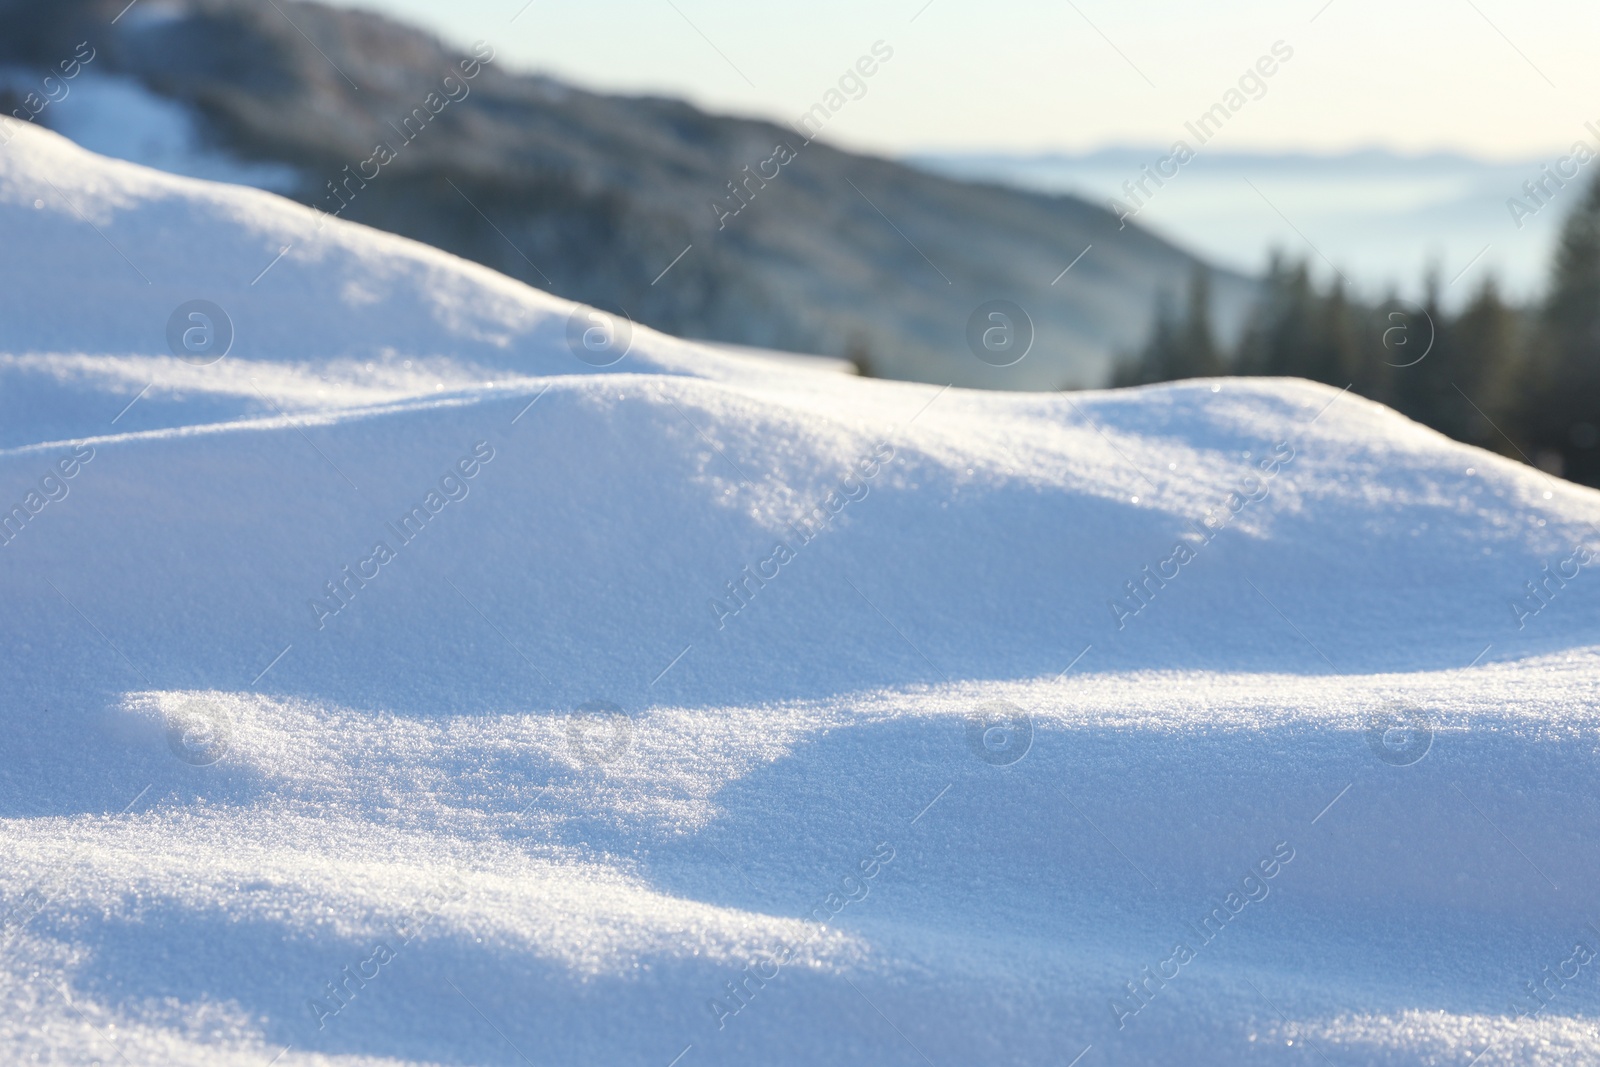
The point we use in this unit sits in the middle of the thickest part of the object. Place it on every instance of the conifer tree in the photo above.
(1561, 407)
(1282, 332)
(1486, 343)
(1180, 346)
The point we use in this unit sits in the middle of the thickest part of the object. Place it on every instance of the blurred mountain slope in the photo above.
(592, 196)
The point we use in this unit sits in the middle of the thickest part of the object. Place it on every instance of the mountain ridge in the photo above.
(608, 200)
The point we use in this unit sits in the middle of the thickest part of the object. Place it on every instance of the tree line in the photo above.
(1523, 381)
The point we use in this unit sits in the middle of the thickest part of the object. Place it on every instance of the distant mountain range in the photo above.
(1383, 219)
(621, 202)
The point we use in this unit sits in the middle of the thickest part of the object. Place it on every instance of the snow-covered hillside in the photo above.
(402, 688)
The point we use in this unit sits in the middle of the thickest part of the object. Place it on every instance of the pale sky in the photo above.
(1493, 78)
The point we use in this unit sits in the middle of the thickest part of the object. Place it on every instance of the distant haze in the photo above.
(1381, 219)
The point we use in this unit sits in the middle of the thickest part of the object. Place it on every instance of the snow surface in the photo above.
(920, 796)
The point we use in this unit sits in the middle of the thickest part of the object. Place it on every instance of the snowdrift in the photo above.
(403, 687)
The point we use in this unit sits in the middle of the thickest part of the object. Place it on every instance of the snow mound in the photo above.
(402, 687)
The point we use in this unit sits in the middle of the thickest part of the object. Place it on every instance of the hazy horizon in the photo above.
(1382, 221)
